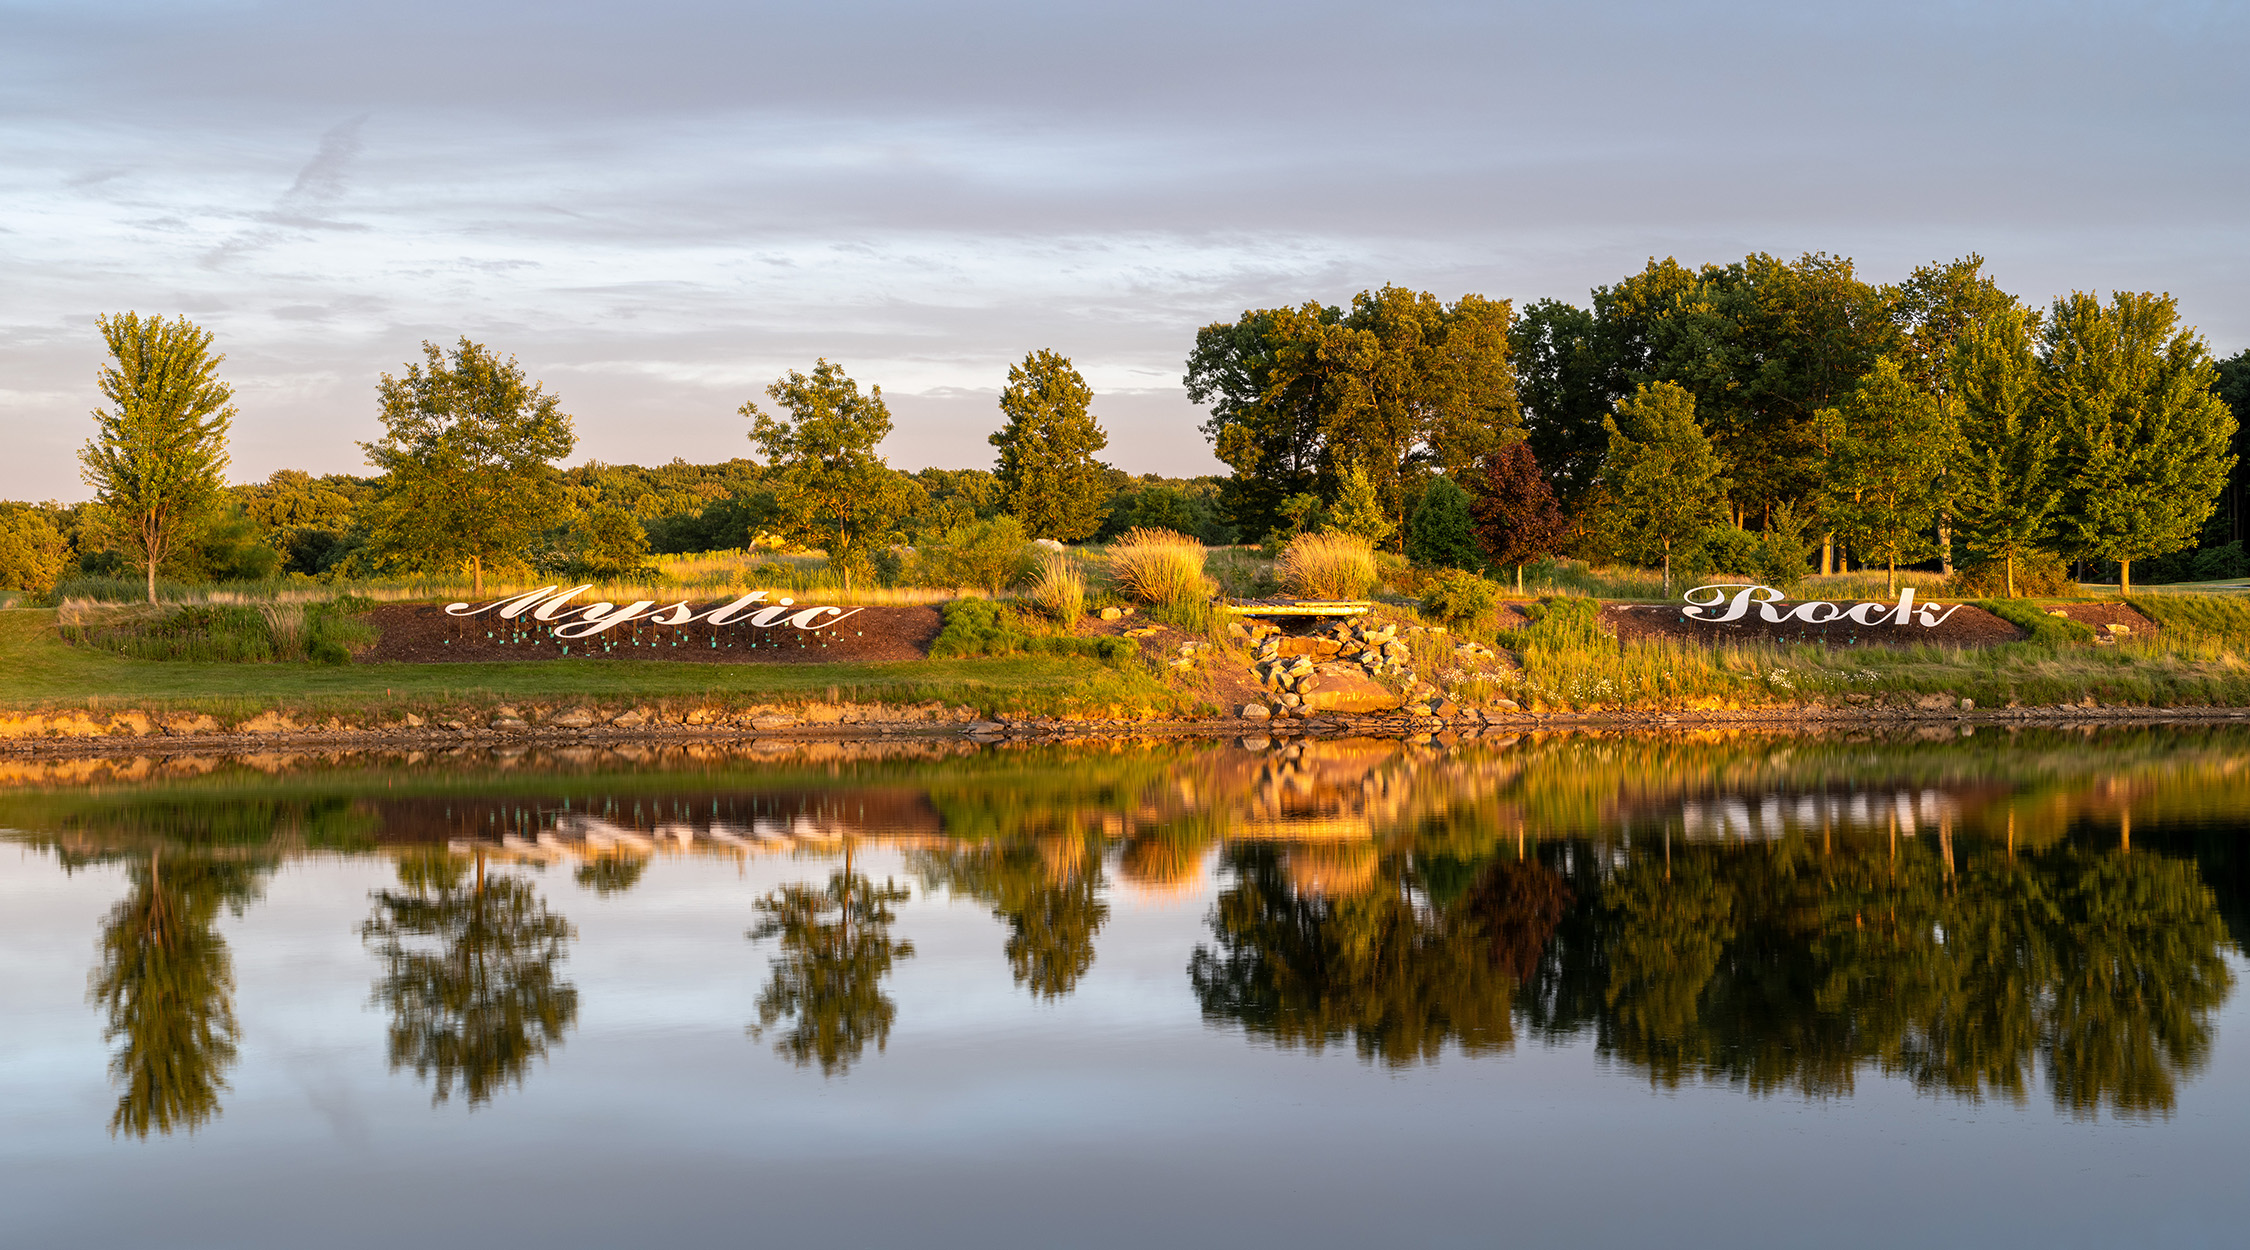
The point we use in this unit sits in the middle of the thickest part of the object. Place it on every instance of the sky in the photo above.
(661, 207)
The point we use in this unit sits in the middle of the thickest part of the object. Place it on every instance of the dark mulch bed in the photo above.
(1964, 627)
(420, 633)
(2100, 616)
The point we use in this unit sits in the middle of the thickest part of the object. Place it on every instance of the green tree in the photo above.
(467, 452)
(1663, 472)
(1561, 372)
(1048, 891)
(831, 483)
(2007, 480)
(1937, 309)
(469, 975)
(1517, 517)
(1442, 534)
(1358, 508)
(2145, 438)
(33, 551)
(827, 981)
(1401, 385)
(166, 986)
(1890, 444)
(158, 458)
(1046, 465)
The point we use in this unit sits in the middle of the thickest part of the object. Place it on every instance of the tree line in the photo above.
(1763, 416)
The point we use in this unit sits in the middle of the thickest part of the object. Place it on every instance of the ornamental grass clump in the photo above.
(1159, 567)
(1332, 566)
(1059, 588)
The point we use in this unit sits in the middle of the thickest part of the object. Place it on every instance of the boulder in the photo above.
(764, 724)
(573, 718)
(1256, 711)
(1339, 689)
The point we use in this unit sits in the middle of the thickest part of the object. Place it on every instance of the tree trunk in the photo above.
(476, 575)
(1667, 568)
(152, 580)
(2008, 564)
(1892, 586)
(1945, 545)
(1519, 579)
(2124, 577)
(1827, 554)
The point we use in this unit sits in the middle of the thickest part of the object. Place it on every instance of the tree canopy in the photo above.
(834, 488)
(1046, 464)
(158, 458)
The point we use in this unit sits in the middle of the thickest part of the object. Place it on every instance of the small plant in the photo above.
(2033, 620)
(1159, 566)
(1058, 587)
(1459, 599)
(978, 627)
(1334, 566)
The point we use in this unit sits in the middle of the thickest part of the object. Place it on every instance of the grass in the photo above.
(1328, 566)
(2224, 619)
(980, 627)
(326, 633)
(1159, 566)
(39, 671)
(2035, 621)
(1059, 588)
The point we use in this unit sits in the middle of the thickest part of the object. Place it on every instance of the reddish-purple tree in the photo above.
(1517, 518)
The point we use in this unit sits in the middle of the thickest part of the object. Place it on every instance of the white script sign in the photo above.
(1737, 601)
(588, 619)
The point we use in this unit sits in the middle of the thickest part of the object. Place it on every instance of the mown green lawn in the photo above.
(39, 671)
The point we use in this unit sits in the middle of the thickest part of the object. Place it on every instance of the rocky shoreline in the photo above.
(139, 733)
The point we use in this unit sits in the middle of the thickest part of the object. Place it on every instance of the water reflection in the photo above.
(469, 974)
(166, 988)
(826, 982)
(2005, 917)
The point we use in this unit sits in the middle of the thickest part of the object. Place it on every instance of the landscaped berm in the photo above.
(1464, 657)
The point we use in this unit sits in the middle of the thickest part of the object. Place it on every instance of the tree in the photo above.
(1560, 378)
(166, 985)
(1047, 890)
(1936, 309)
(1664, 472)
(836, 948)
(469, 975)
(467, 451)
(2006, 482)
(1047, 467)
(1890, 443)
(831, 483)
(2146, 441)
(1401, 385)
(33, 550)
(1517, 517)
(1358, 510)
(158, 458)
(1441, 534)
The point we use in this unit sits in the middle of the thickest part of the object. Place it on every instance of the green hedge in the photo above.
(974, 627)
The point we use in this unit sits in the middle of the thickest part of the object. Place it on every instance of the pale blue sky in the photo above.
(661, 206)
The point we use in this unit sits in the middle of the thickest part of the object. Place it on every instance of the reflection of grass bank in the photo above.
(38, 670)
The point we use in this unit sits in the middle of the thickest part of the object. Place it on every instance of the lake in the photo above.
(1728, 988)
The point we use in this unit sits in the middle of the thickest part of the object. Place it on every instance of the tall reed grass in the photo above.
(1159, 567)
(1059, 588)
(1327, 566)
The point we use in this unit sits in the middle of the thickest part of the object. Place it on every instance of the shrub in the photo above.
(974, 627)
(990, 555)
(1442, 534)
(1158, 566)
(1058, 588)
(2034, 620)
(1458, 598)
(2038, 575)
(1333, 565)
(1724, 549)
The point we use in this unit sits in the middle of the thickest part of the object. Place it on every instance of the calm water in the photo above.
(1726, 990)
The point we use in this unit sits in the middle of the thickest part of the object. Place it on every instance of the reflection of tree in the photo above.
(1400, 978)
(611, 874)
(836, 948)
(1772, 969)
(469, 975)
(1049, 894)
(166, 983)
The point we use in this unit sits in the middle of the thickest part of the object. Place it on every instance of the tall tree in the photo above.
(1046, 465)
(1442, 535)
(2007, 484)
(33, 550)
(2147, 442)
(1358, 509)
(1517, 517)
(1561, 379)
(829, 478)
(1936, 309)
(1666, 476)
(2233, 386)
(158, 458)
(1891, 442)
(469, 975)
(468, 452)
(1403, 385)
